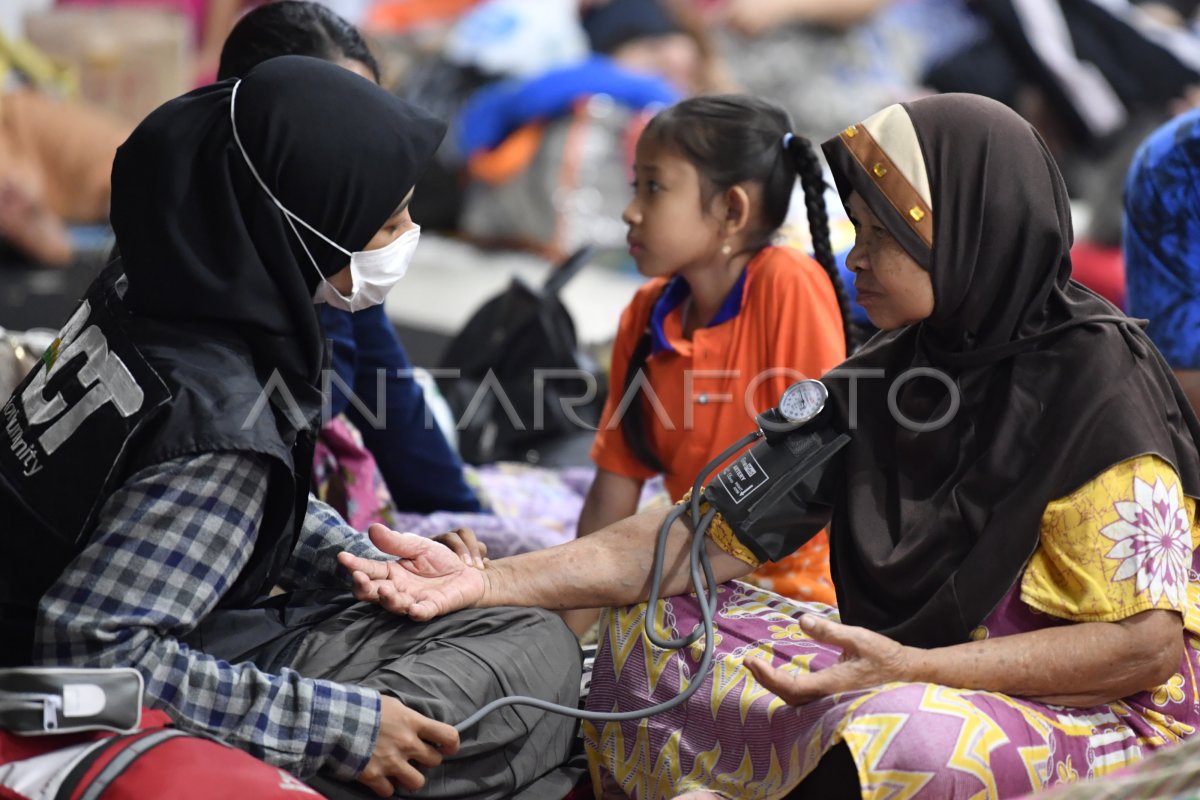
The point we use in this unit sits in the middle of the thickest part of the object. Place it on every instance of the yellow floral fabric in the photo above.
(1119, 545)
(721, 534)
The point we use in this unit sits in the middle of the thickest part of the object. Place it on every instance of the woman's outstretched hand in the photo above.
(868, 659)
(426, 580)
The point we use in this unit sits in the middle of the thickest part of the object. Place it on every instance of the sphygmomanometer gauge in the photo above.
(803, 401)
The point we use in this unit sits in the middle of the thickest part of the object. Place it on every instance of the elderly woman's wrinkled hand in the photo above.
(426, 580)
(868, 659)
(465, 545)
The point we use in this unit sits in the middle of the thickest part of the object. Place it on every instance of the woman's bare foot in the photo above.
(31, 227)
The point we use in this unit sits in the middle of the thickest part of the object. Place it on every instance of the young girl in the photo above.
(727, 320)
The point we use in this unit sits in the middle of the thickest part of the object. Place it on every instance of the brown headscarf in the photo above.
(1053, 385)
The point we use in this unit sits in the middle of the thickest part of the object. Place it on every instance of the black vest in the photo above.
(117, 393)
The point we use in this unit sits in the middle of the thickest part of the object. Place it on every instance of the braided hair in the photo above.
(732, 140)
(812, 181)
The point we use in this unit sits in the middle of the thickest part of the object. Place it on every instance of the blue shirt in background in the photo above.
(1162, 239)
(420, 469)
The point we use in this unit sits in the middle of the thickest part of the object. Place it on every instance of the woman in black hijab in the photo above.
(160, 492)
(1013, 521)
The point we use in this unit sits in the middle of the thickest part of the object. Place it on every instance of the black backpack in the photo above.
(525, 391)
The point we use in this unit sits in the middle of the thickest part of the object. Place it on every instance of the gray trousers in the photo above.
(446, 669)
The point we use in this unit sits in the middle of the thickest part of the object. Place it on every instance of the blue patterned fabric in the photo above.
(1162, 239)
(498, 109)
(168, 544)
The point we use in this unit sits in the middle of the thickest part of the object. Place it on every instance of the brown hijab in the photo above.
(1027, 384)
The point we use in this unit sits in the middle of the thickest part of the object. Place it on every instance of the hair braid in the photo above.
(812, 180)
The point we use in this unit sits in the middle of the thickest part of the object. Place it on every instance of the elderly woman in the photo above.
(1012, 532)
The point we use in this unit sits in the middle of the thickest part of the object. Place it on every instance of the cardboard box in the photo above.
(129, 60)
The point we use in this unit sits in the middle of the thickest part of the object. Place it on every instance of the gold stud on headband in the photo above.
(916, 213)
(879, 169)
(851, 132)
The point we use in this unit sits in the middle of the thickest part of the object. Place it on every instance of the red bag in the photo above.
(155, 761)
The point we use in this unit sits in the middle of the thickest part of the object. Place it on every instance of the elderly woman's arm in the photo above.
(611, 567)
(1081, 665)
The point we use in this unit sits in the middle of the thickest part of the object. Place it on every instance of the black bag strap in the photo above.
(567, 270)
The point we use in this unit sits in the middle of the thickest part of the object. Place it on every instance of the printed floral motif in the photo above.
(1171, 691)
(792, 632)
(1067, 773)
(1153, 542)
(697, 647)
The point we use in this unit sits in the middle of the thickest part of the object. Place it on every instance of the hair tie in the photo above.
(787, 140)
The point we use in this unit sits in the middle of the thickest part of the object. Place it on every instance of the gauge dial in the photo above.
(802, 401)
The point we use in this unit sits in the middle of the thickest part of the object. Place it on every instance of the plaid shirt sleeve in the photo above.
(314, 560)
(168, 545)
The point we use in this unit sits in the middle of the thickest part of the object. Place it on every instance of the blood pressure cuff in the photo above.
(45, 700)
(778, 495)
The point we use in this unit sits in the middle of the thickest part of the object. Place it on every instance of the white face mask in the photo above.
(373, 273)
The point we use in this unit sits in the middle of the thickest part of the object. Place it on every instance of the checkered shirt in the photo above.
(168, 545)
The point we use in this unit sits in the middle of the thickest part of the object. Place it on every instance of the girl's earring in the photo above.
(726, 249)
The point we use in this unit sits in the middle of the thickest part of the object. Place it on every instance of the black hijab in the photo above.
(203, 245)
(1053, 384)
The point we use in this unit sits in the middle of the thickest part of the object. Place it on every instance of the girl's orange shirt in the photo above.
(703, 395)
